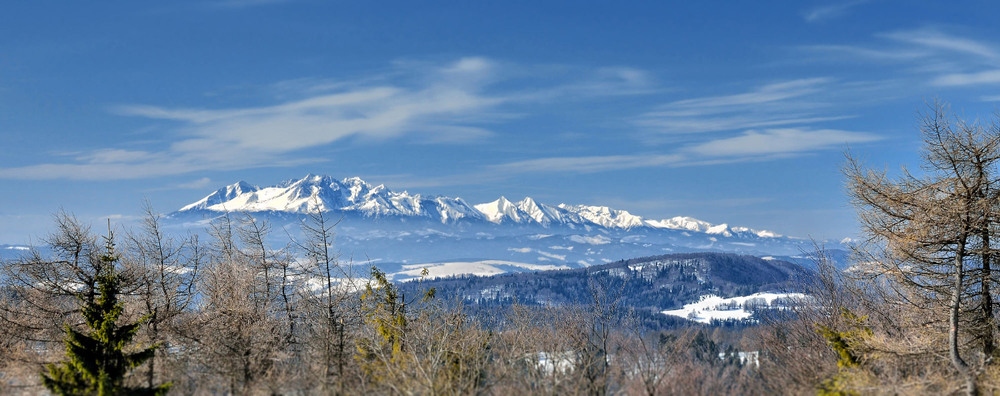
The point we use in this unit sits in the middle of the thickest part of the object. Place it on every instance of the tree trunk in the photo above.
(953, 320)
(989, 346)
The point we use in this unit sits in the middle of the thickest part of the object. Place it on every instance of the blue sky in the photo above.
(735, 112)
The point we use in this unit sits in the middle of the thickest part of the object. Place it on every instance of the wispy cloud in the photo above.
(958, 79)
(155, 165)
(426, 103)
(776, 104)
(774, 120)
(196, 184)
(769, 93)
(779, 141)
(609, 81)
(751, 145)
(588, 164)
(852, 52)
(831, 11)
(380, 112)
(941, 59)
(935, 39)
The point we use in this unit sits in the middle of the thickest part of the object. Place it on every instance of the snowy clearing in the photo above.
(479, 268)
(711, 307)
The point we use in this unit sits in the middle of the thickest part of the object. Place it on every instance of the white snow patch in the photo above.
(711, 307)
(552, 362)
(752, 357)
(177, 269)
(692, 224)
(479, 268)
(346, 285)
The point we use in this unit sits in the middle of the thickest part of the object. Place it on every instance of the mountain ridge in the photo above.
(324, 193)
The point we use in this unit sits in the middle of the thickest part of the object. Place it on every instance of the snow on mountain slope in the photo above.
(681, 223)
(502, 210)
(12, 252)
(454, 209)
(604, 216)
(323, 193)
(222, 196)
(545, 214)
(692, 224)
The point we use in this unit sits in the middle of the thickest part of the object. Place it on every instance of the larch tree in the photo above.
(166, 272)
(934, 231)
(241, 328)
(329, 306)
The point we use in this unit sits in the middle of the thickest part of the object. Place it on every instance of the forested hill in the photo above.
(651, 284)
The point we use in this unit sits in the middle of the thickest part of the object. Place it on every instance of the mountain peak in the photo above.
(222, 195)
(605, 216)
(324, 193)
(501, 210)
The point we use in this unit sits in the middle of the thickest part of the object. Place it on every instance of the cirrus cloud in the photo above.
(779, 141)
(423, 102)
(751, 145)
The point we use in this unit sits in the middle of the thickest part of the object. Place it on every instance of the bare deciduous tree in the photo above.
(41, 292)
(166, 271)
(935, 230)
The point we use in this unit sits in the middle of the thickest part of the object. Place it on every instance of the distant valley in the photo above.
(664, 291)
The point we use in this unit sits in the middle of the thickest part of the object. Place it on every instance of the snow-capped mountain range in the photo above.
(400, 231)
(353, 195)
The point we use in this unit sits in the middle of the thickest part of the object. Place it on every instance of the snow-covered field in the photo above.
(479, 268)
(712, 307)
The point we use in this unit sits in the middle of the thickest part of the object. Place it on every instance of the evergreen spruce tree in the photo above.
(97, 361)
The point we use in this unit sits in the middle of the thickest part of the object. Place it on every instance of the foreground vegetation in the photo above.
(236, 316)
(915, 314)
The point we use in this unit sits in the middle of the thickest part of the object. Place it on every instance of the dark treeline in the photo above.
(647, 285)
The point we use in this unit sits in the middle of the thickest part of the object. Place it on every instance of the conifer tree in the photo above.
(97, 361)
